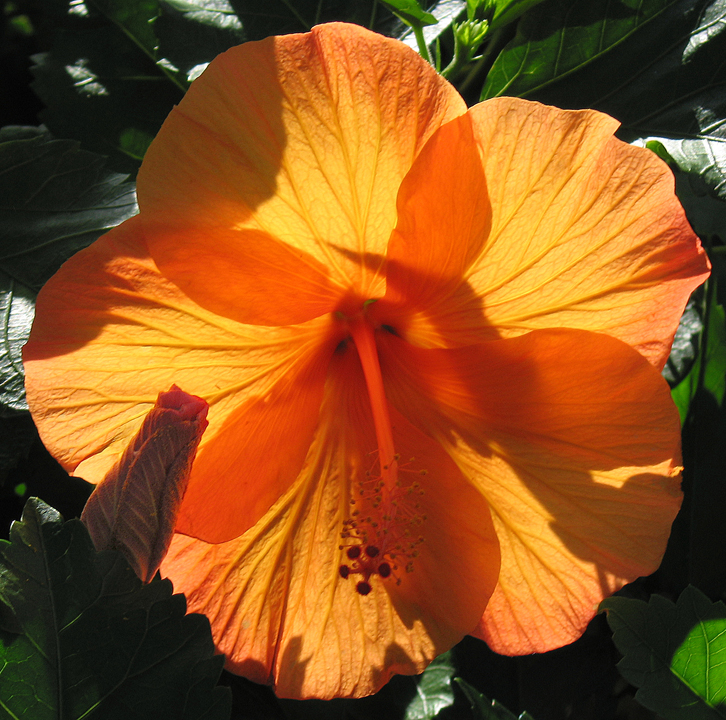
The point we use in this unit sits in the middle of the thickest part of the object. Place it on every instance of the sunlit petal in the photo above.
(279, 608)
(303, 137)
(110, 331)
(586, 233)
(573, 439)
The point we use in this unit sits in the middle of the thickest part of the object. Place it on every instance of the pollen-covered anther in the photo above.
(384, 530)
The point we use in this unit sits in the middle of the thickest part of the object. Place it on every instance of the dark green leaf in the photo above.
(193, 32)
(17, 433)
(674, 653)
(101, 82)
(685, 345)
(700, 169)
(656, 65)
(508, 11)
(484, 709)
(708, 372)
(133, 19)
(54, 200)
(261, 18)
(433, 690)
(558, 38)
(705, 157)
(83, 637)
(17, 308)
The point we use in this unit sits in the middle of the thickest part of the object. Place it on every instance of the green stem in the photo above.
(458, 62)
(423, 48)
(372, 21)
(482, 61)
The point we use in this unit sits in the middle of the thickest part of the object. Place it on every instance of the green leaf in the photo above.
(484, 709)
(17, 433)
(674, 653)
(508, 11)
(103, 81)
(560, 37)
(410, 12)
(433, 690)
(54, 200)
(193, 32)
(656, 65)
(261, 18)
(705, 157)
(446, 13)
(708, 372)
(685, 345)
(134, 19)
(17, 309)
(82, 637)
(699, 166)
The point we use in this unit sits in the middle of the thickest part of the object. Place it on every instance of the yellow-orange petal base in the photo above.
(429, 339)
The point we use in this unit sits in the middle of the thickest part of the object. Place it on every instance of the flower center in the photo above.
(379, 534)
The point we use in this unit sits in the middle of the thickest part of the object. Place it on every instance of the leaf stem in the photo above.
(423, 48)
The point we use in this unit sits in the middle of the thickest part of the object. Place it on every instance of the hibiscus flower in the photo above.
(430, 340)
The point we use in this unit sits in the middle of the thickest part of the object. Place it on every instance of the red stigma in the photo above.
(363, 588)
(384, 570)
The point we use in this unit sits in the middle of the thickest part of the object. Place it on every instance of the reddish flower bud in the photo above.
(134, 508)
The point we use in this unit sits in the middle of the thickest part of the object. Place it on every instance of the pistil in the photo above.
(363, 335)
(382, 532)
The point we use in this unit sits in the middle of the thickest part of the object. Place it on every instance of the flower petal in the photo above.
(573, 439)
(279, 608)
(302, 138)
(439, 234)
(586, 232)
(110, 332)
(263, 281)
(256, 452)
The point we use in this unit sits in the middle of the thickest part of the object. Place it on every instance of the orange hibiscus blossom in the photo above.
(430, 339)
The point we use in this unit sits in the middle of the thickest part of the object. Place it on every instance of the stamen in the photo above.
(378, 540)
(377, 536)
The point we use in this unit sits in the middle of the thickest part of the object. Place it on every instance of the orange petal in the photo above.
(279, 608)
(304, 139)
(110, 333)
(256, 453)
(586, 233)
(573, 439)
(439, 233)
(262, 281)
